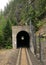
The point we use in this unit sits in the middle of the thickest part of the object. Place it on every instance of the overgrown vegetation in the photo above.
(20, 12)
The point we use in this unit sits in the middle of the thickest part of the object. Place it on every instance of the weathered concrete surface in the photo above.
(16, 30)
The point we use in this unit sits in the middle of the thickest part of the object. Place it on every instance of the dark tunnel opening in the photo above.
(23, 39)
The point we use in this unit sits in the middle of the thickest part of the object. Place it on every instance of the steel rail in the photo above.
(28, 57)
(20, 55)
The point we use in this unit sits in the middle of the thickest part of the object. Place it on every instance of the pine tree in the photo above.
(7, 32)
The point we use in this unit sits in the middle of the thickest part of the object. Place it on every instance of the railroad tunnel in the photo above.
(23, 39)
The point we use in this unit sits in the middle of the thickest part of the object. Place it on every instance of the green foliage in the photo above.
(2, 24)
(7, 32)
(19, 12)
(1, 41)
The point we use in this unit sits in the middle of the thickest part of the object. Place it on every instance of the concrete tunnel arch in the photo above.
(23, 39)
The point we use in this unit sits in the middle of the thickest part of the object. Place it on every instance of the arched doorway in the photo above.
(23, 39)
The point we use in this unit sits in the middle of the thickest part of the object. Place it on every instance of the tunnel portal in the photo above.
(23, 39)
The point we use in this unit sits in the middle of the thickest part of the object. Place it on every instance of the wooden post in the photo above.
(31, 39)
(35, 45)
(39, 47)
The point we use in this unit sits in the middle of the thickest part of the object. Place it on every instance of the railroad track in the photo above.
(23, 57)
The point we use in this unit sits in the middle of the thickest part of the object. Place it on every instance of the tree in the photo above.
(20, 11)
(1, 41)
(7, 32)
